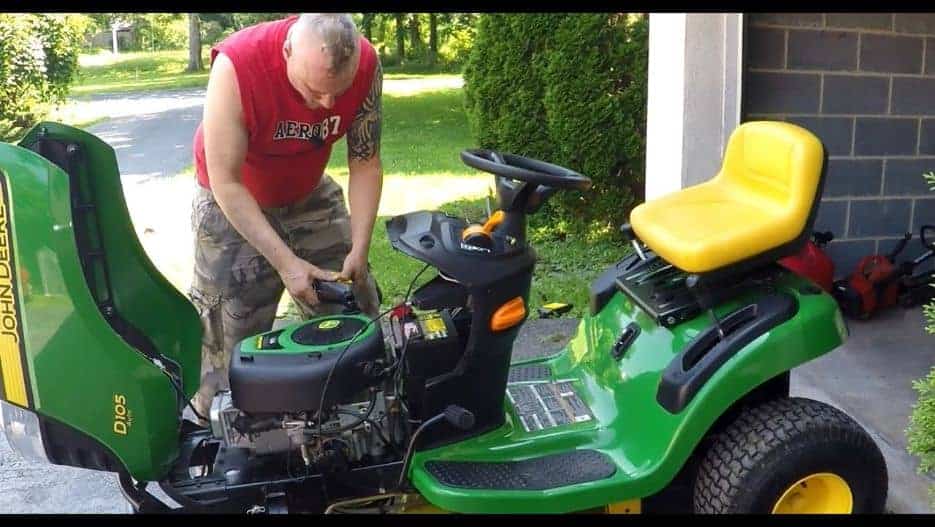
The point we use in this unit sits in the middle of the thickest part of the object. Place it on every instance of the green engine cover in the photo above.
(292, 368)
(80, 269)
(327, 334)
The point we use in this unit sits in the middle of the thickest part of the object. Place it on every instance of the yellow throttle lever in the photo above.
(480, 235)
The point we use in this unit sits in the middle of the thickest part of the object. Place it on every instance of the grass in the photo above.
(565, 267)
(163, 70)
(136, 71)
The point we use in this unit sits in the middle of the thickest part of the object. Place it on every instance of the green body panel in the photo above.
(80, 371)
(250, 346)
(648, 444)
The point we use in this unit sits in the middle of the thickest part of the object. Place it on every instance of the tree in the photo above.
(433, 38)
(400, 36)
(194, 44)
(415, 35)
(366, 24)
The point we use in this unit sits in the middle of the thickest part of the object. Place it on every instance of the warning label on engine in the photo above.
(547, 404)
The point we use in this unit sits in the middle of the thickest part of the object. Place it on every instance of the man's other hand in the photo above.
(298, 277)
(355, 267)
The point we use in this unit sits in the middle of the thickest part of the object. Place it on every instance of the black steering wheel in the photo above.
(524, 169)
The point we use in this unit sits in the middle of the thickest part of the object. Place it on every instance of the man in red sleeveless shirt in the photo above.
(265, 215)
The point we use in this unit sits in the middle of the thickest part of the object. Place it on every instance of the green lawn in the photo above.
(162, 70)
(136, 71)
(564, 269)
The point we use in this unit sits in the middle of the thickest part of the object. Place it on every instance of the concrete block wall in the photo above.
(865, 84)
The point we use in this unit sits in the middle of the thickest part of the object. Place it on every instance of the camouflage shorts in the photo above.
(237, 291)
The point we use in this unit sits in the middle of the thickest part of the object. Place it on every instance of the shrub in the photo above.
(571, 90)
(38, 61)
(61, 43)
(160, 31)
(921, 431)
(457, 47)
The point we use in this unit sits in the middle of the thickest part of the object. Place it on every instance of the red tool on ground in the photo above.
(879, 282)
(812, 262)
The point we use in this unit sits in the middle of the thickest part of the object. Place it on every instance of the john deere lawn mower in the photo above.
(674, 390)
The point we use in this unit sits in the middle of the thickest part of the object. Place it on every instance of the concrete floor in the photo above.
(870, 378)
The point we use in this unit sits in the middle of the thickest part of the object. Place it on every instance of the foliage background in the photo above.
(38, 60)
(571, 91)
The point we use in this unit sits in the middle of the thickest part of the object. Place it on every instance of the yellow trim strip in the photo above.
(634, 506)
(14, 383)
(11, 362)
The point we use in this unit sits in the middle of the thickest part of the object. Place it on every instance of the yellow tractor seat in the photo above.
(762, 200)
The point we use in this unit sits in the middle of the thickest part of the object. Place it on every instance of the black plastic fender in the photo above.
(688, 371)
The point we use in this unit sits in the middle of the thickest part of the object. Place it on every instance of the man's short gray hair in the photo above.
(338, 34)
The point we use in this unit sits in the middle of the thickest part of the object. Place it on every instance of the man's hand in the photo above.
(298, 276)
(355, 267)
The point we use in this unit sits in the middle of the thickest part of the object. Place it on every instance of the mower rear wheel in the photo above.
(791, 455)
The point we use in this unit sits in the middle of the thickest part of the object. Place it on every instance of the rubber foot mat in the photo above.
(532, 372)
(541, 473)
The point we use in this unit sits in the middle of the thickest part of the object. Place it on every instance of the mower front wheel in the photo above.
(791, 455)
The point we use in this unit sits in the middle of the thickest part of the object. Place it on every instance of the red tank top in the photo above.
(288, 143)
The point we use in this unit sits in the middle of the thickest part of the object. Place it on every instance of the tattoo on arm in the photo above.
(363, 136)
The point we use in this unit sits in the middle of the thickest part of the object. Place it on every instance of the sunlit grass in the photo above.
(136, 71)
(162, 70)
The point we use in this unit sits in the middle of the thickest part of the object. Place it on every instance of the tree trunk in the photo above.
(194, 44)
(415, 37)
(433, 38)
(400, 37)
(367, 24)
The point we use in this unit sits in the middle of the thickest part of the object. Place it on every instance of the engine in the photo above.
(333, 388)
(354, 431)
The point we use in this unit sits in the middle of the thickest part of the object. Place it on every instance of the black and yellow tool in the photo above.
(554, 309)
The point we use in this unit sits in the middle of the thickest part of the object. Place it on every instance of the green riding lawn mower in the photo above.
(672, 395)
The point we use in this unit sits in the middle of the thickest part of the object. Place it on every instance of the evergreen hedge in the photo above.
(570, 90)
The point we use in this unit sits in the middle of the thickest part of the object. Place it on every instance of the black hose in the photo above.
(334, 365)
(178, 389)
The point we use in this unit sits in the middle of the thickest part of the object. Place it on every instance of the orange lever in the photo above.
(495, 219)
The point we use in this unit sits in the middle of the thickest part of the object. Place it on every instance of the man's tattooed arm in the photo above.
(363, 136)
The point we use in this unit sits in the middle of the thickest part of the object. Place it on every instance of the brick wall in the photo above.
(865, 84)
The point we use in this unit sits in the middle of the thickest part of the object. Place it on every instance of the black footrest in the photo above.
(540, 473)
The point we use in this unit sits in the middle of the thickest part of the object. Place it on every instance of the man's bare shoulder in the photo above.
(222, 70)
(223, 89)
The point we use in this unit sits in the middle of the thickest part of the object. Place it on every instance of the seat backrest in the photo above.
(777, 164)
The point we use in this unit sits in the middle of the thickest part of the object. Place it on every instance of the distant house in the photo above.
(126, 34)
